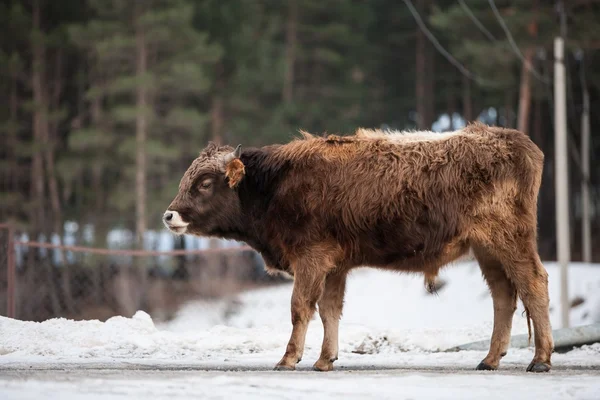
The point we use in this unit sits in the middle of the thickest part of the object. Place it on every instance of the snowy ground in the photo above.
(392, 338)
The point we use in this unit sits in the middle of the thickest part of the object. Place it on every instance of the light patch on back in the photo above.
(405, 136)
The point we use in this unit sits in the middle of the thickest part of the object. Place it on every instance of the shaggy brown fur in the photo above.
(320, 206)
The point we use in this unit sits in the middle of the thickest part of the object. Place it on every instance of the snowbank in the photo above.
(395, 306)
(385, 314)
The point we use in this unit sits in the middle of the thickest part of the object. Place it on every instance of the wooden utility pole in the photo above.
(561, 165)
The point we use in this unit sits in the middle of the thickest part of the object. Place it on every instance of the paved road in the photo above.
(158, 382)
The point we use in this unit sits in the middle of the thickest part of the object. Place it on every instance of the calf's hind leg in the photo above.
(504, 297)
(525, 270)
(531, 280)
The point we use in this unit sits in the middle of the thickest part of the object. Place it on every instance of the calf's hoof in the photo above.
(284, 367)
(485, 367)
(538, 367)
(323, 365)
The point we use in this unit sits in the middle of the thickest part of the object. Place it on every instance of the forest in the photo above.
(104, 103)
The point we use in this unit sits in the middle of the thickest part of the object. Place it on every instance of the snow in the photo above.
(392, 312)
(389, 322)
(385, 314)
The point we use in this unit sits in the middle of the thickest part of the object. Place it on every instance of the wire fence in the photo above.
(40, 280)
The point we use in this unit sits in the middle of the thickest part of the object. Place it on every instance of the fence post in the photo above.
(11, 272)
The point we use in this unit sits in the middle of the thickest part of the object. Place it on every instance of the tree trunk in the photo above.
(216, 116)
(450, 103)
(137, 287)
(216, 109)
(525, 87)
(101, 229)
(95, 104)
(508, 109)
(467, 102)
(98, 123)
(537, 134)
(51, 138)
(420, 72)
(13, 178)
(39, 121)
(429, 82)
(141, 134)
(9, 175)
(49, 149)
(525, 93)
(291, 38)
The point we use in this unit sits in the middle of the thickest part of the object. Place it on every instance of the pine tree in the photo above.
(97, 124)
(147, 75)
(16, 146)
(300, 65)
(485, 50)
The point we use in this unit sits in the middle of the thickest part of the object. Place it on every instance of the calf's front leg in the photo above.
(309, 281)
(330, 310)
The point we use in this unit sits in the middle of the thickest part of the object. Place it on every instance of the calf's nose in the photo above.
(168, 216)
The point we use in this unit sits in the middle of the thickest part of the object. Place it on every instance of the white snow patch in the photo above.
(388, 316)
(385, 310)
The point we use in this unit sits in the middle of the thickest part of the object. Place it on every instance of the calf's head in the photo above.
(207, 202)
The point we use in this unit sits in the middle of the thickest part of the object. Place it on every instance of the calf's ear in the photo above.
(234, 169)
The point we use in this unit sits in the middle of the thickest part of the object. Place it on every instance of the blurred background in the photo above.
(104, 103)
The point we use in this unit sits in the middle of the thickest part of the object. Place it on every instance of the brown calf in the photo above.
(319, 206)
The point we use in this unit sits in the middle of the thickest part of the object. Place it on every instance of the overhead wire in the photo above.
(513, 45)
(547, 83)
(472, 76)
(476, 21)
(463, 70)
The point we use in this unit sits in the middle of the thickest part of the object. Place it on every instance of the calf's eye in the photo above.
(206, 184)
